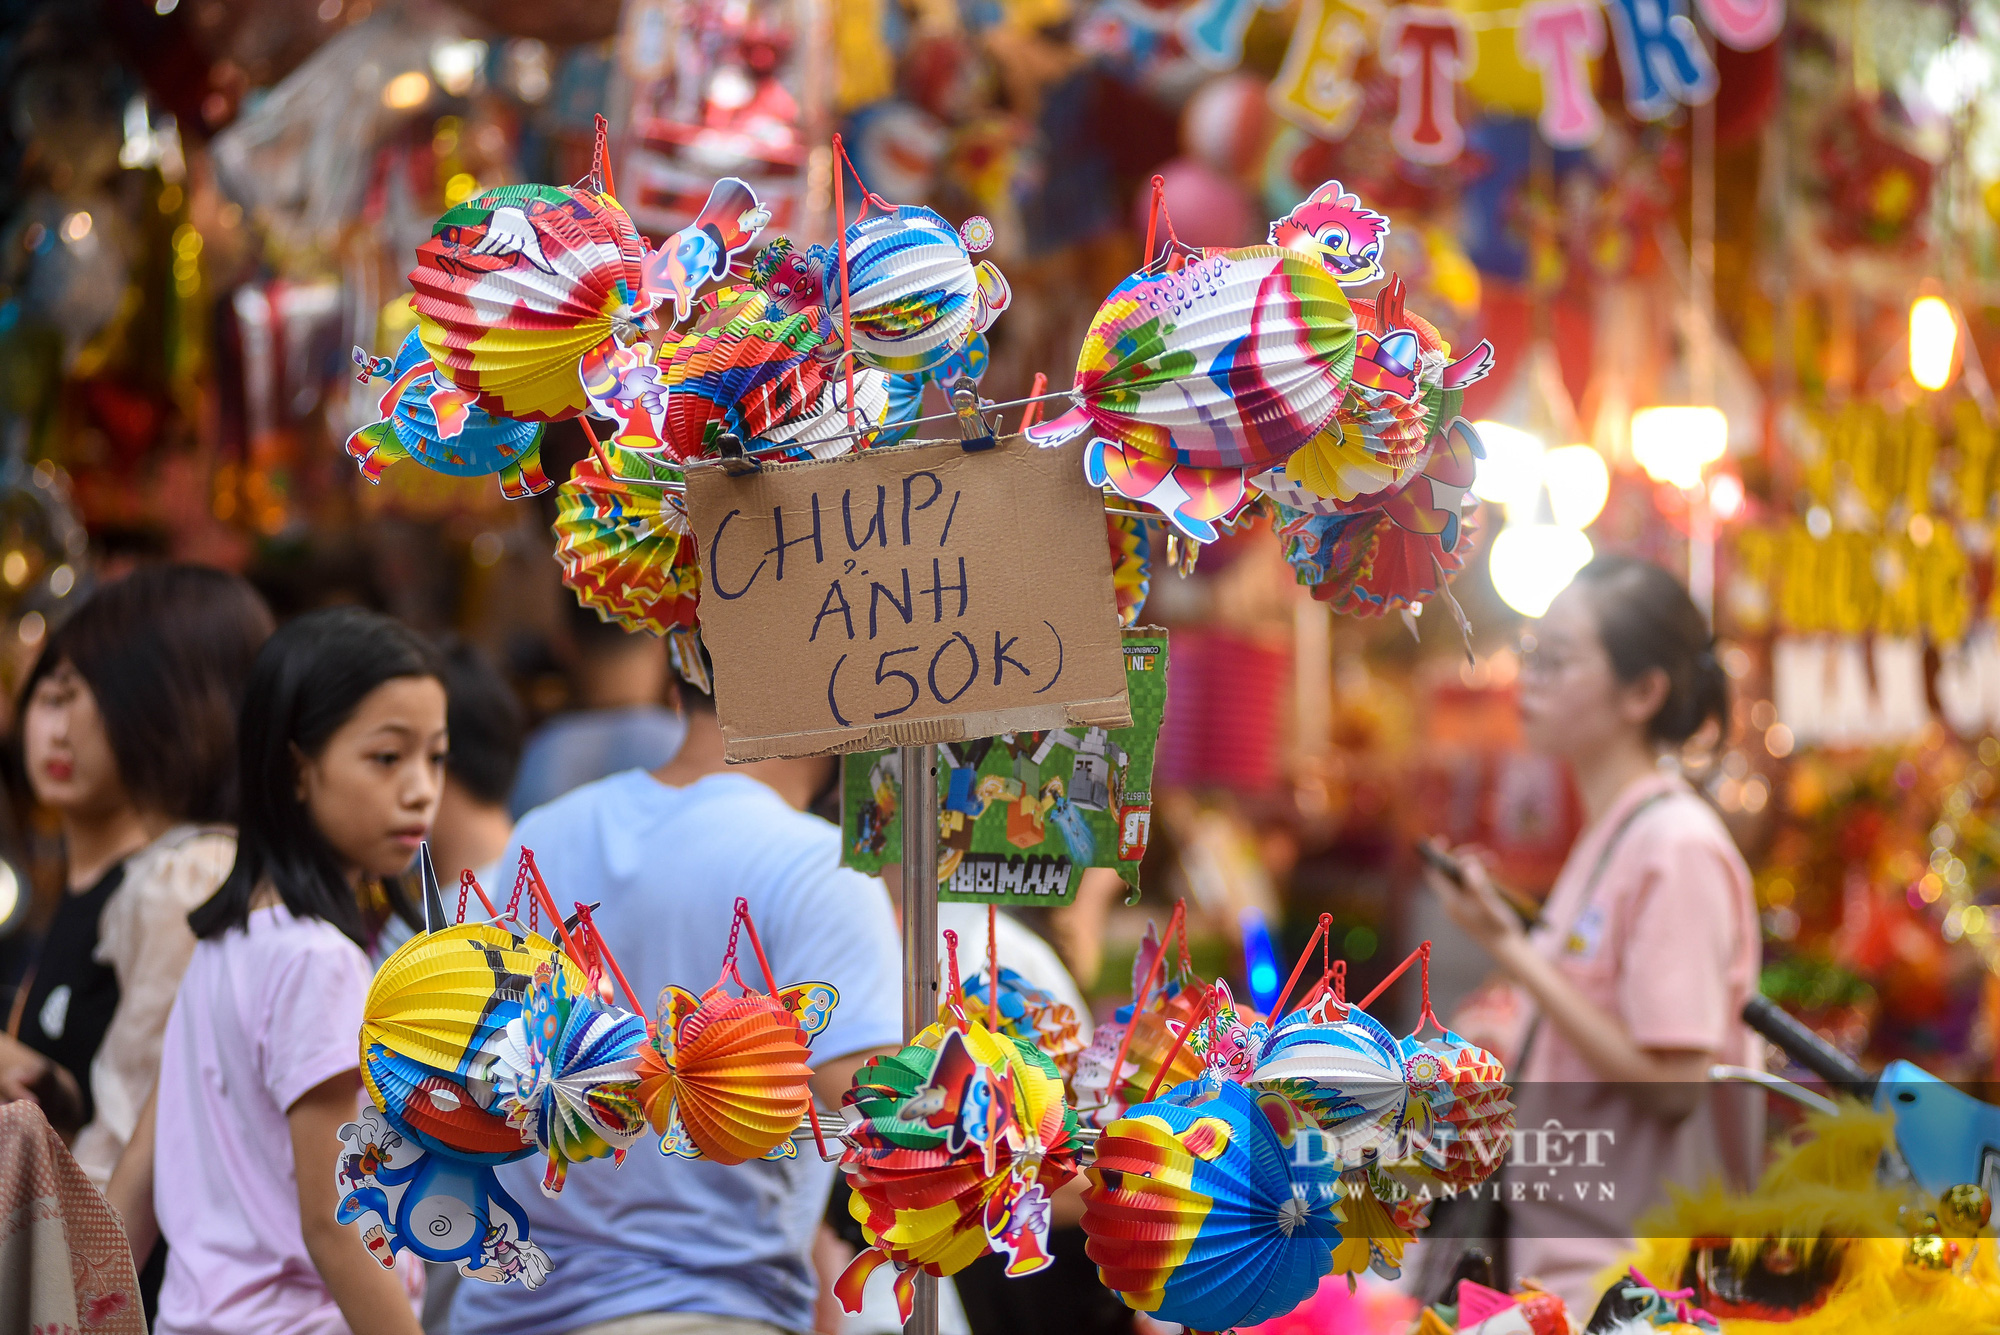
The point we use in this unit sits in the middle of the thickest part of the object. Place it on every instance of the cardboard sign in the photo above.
(1017, 814)
(898, 596)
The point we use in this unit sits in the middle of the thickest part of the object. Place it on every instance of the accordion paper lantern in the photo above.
(515, 285)
(954, 1145)
(1198, 1210)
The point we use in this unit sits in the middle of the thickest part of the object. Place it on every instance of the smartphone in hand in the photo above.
(1440, 861)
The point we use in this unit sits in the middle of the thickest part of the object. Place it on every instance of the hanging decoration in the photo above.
(481, 1044)
(954, 1145)
(1195, 375)
(1316, 89)
(1430, 52)
(1559, 39)
(724, 1077)
(1200, 1210)
(623, 542)
(1661, 56)
(427, 418)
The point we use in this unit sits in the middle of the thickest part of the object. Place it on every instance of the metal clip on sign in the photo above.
(735, 460)
(974, 433)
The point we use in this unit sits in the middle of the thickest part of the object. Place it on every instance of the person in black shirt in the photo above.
(127, 730)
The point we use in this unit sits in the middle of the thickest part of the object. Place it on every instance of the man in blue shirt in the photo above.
(669, 1246)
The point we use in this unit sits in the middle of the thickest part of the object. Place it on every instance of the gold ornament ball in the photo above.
(1964, 1209)
(1931, 1252)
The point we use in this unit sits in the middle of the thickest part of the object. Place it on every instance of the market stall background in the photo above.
(213, 201)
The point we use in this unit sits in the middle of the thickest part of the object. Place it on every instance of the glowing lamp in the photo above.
(406, 91)
(1511, 472)
(1933, 342)
(1531, 563)
(1673, 445)
(1578, 484)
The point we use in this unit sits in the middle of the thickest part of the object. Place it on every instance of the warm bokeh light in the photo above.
(1674, 444)
(411, 88)
(1933, 342)
(1511, 472)
(1725, 496)
(1578, 484)
(1532, 563)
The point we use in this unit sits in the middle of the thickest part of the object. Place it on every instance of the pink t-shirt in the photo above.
(1668, 941)
(263, 1015)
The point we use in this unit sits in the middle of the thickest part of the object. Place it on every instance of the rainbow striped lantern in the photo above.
(1206, 1208)
(1195, 378)
(1469, 1104)
(427, 418)
(516, 284)
(915, 295)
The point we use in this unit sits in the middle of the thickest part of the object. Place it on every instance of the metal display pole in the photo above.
(920, 946)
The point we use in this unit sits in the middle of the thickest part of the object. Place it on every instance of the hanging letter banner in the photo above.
(1743, 25)
(1429, 51)
(914, 594)
(1661, 56)
(1558, 39)
(1316, 90)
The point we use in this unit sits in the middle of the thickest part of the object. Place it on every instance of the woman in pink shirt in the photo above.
(342, 743)
(1630, 985)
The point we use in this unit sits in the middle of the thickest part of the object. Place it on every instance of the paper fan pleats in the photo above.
(1233, 361)
(567, 1073)
(1343, 1070)
(1465, 1091)
(1131, 564)
(733, 1073)
(745, 378)
(914, 290)
(516, 284)
(1199, 1211)
(953, 1146)
(442, 998)
(624, 544)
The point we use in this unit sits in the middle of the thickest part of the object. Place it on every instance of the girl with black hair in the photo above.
(1630, 985)
(128, 734)
(343, 748)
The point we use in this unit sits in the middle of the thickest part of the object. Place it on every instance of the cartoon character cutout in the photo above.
(436, 1206)
(795, 280)
(966, 1099)
(1333, 225)
(1016, 1219)
(701, 251)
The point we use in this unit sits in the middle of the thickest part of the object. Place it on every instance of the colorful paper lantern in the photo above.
(623, 542)
(427, 418)
(1232, 361)
(1343, 1071)
(915, 295)
(1029, 1013)
(515, 285)
(953, 1146)
(567, 1072)
(1464, 1090)
(1199, 1211)
(724, 1076)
